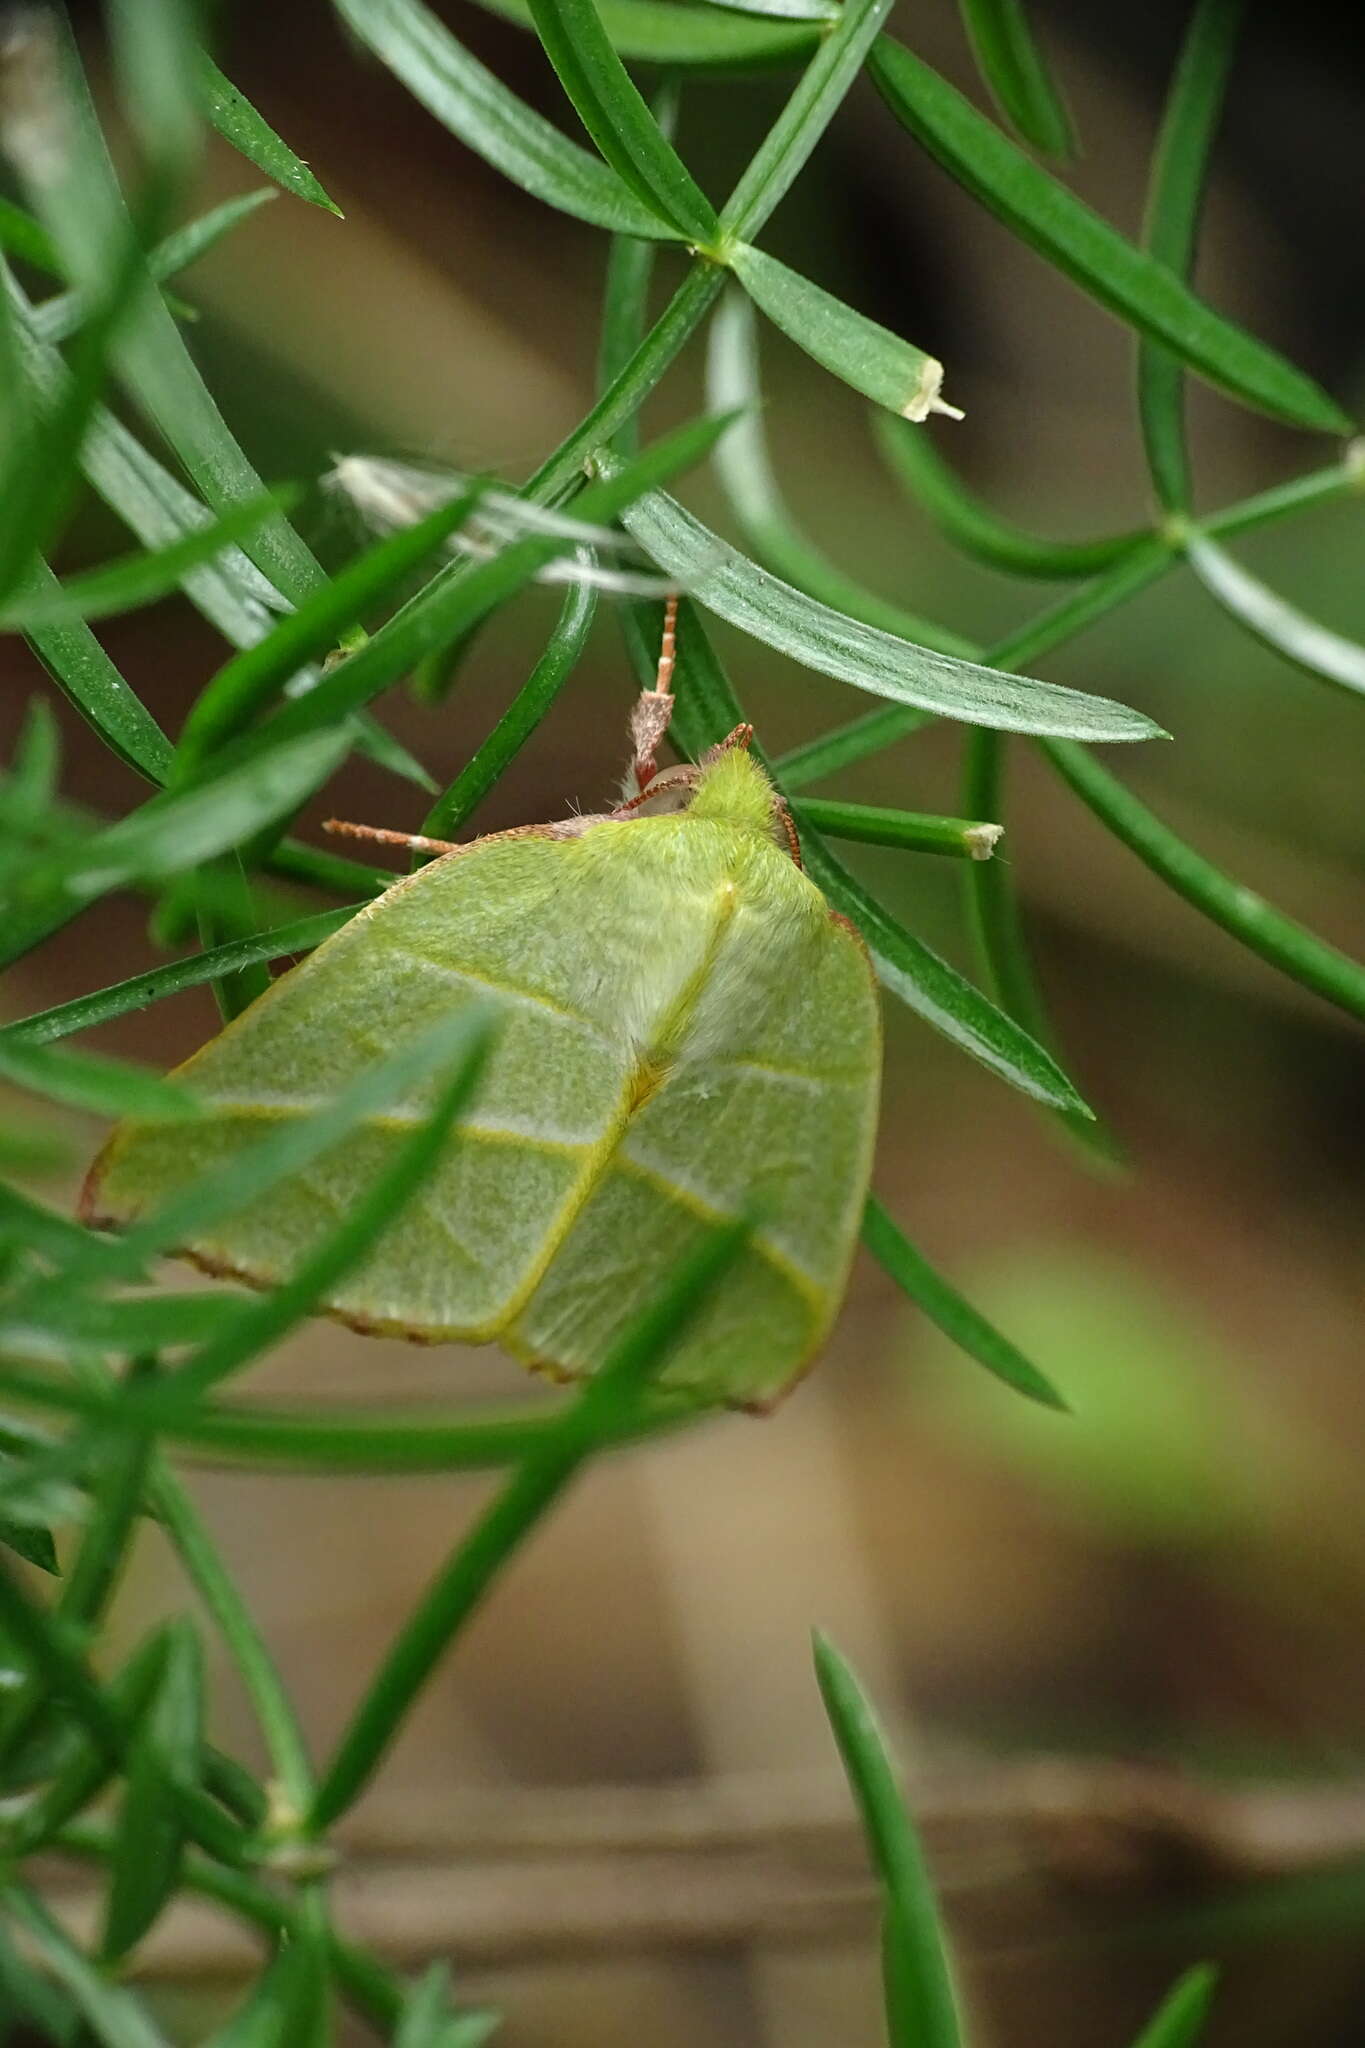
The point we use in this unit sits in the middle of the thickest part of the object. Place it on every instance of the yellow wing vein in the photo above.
(500, 988)
(787, 1268)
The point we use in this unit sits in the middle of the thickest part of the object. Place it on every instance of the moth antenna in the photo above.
(653, 712)
(668, 647)
(416, 842)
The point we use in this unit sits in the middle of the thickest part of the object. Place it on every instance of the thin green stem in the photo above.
(972, 839)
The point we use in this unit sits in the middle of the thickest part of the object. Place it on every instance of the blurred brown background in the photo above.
(1175, 1577)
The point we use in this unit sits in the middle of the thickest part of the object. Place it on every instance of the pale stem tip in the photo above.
(982, 840)
(925, 398)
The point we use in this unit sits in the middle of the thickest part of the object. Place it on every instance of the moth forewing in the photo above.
(688, 1035)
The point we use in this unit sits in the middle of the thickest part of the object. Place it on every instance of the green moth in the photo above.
(688, 1033)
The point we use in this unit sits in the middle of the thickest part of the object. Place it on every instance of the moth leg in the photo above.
(653, 711)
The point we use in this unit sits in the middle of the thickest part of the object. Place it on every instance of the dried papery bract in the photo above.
(387, 495)
(688, 1035)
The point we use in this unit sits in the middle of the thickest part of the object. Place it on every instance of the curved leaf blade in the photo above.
(1281, 940)
(618, 119)
(1124, 279)
(1010, 62)
(960, 1323)
(729, 584)
(238, 122)
(921, 2005)
(1276, 623)
(474, 105)
(894, 373)
(938, 993)
(1174, 205)
(971, 525)
(661, 32)
(1179, 2020)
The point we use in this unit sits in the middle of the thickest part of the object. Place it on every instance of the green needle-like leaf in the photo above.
(165, 1758)
(57, 318)
(521, 717)
(972, 526)
(821, 90)
(1011, 63)
(938, 993)
(1061, 227)
(138, 579)
(1179, 2021)
(237, 121)
(82, 1013)
(92, 1082)
(468, 100)
(917, 831)
(611, 1396)
(176, 831)
(959, 1321)
(1174, 204)
(248, 682)
(113, 2015)
(727, 583)
(870, 358)
(1287, 945)
(618, 119)
(921, 2008)
(1278, 625)
(661, 32)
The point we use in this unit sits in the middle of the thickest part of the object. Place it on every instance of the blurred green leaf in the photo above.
(1179, 2022)
(921, 2008)
(605, 1403)
(259, 672)
(477, 107)
(154, 45)
(139, 579)
(28, 239)
(177, 830)
(963, 1325)
(29, 1540)
(618, 119)
(870, 358)
(82, 1013)
(165, 1754)
(92, 1082)
(113, 2015)
(662, 32)
(726, 582)
(1010, 62)
(1174, 203)
(467, 1040)
(1095, 256)
(57, 318)
(238, 123)
(1273, 621)
(84, 212)
(25, 1994)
